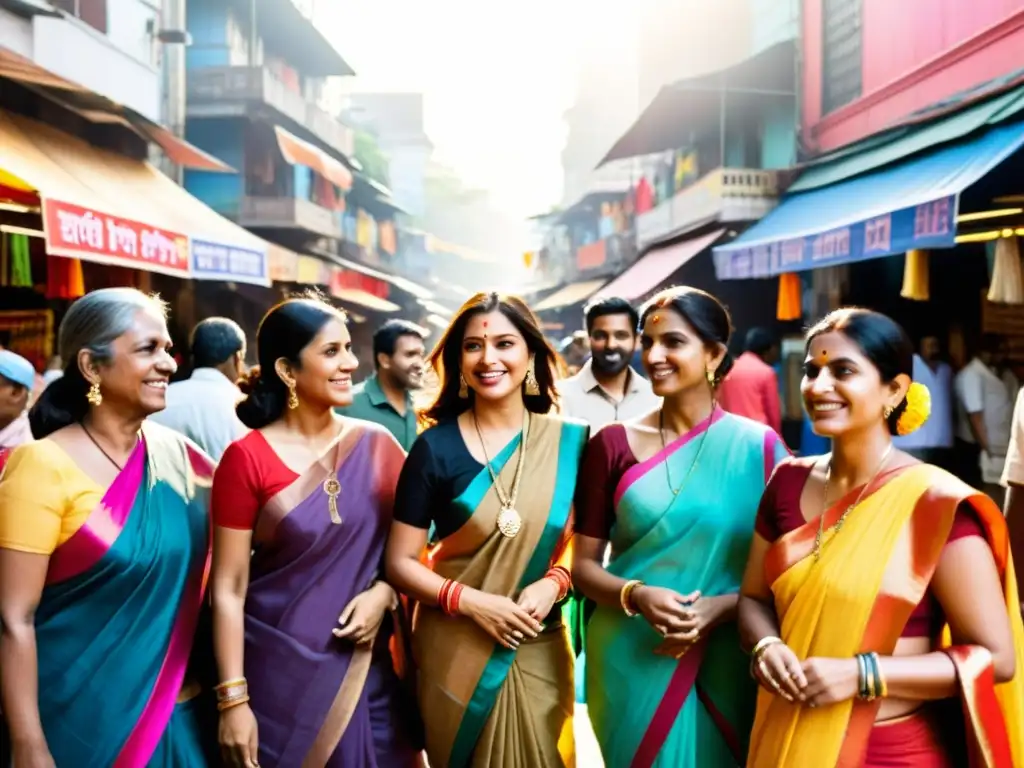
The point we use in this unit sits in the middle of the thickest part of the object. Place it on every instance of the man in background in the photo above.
(933, 442)
(607, 389)
(985, 413)
(202, 407)
(751, 388)
(385, 397)
(17, 379)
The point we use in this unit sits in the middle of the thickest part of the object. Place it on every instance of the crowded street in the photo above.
(389, 384)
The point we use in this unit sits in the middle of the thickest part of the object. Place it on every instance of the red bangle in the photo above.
(453, 601)
(442, 595)
(561, 577)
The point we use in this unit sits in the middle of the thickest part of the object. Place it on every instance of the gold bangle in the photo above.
(227, 704)
(763, 644)
(229, 683)
(626, 593)
(883, 688)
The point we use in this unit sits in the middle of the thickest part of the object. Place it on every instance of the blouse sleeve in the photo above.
(417, 486)
(600, 472)
(966, 523)
(235, 500)
(766, 524)
(33, 501)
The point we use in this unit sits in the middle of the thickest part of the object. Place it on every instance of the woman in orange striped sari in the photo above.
(878, 589)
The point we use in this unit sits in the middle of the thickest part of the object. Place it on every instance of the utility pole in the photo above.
(174, 16)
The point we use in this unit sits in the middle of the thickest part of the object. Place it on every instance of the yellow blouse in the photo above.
(44, 498)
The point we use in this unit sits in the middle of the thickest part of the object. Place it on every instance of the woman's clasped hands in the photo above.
(814, 682)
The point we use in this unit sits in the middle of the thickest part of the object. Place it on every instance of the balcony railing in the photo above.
(213, 90)
(725, 194)
(288, 213)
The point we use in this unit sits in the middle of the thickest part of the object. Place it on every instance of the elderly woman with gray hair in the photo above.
(104, 552)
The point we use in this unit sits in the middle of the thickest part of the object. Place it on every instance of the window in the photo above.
(841, 53)
(92, 12)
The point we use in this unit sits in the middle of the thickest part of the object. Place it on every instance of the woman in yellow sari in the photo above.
(495, 476)
(878, 589)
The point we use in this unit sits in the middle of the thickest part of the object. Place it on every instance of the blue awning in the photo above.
(908, 205)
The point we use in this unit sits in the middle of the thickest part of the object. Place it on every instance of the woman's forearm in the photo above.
(411, 577)
(591, 578)
(919, 678)
(756, 620)
(229, 634)
(19, 683)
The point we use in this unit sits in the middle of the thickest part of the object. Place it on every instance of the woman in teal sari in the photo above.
(104, 554)
(675, 493)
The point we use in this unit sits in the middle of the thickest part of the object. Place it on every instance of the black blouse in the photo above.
(438, 470)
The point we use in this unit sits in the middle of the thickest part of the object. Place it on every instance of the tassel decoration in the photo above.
(915, 276)
(789, 304)
(1007, 286)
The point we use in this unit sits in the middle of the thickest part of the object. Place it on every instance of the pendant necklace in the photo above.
(842, 518)
(107, 456)
(509, 519)
(664, 446)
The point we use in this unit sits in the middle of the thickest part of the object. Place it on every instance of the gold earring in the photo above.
(887, 412)
(710, 376)
(94, 396)
(530, 385)
(463, 387)
(293, 398)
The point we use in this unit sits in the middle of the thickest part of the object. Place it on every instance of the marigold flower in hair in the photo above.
(919, 408)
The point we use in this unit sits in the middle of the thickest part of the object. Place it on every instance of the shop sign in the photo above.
(348, 280)
(283, 265)
(90, 235)
(928, 225)
(217, 261)
(312, 271)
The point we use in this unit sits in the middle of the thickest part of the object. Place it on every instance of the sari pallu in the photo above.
(116, 620)
(695, 711)
(320, 701)
(483, 704)
(858, 597)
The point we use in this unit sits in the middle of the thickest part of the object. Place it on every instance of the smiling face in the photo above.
(136, 378)
(842, 389)
(612, 343)
(324, 376)
(675, 357)
(494, 356)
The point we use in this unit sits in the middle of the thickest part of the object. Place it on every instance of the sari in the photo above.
(484, 704)
(118, 613)
(858, 598)
(694, 711)
(320, 701)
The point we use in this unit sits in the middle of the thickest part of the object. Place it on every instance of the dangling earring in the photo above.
(710, 376)
(887, 412)
(463, 387)
(530, 385)
(94, 396)
(293, 398)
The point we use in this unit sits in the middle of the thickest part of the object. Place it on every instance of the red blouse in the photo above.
(249, 475)
(779, 513)
(606, 459)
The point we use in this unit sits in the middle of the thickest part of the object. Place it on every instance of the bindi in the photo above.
(656, 319)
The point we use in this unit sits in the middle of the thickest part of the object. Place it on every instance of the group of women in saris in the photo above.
(863, 591)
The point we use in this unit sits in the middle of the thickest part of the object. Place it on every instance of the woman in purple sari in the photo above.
(303, 620)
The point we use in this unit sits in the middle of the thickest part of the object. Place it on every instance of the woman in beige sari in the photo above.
(495, 475)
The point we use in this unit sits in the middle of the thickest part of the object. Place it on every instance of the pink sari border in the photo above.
(152, 724)
(679, 687)
(93, 540)
(637, 471)
(771, 441)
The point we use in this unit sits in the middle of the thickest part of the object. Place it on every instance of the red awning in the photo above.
(650, 270)
(299, 152)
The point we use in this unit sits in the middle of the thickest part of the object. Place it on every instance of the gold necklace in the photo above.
(664, 446)
(842, 518)
(509, 519)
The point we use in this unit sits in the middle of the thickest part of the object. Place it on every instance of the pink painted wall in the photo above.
(915, 52)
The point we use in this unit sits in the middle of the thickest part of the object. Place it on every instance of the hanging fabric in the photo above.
(915, 276)
(64, 279)
(21, 261)
(1007, 286)
(789, 304)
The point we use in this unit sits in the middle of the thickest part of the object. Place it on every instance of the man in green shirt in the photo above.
(385, 397)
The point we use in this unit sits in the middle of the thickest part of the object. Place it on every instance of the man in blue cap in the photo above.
(17, 378)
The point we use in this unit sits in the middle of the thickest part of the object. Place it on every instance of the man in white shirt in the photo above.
(607, 388)
(933, 442)
(202, 407)
(984, 418)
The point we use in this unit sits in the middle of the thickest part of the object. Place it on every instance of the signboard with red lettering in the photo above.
(346, 279)
(928, 225)
(90, 235)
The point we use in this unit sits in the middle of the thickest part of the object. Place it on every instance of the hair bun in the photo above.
(249, 380)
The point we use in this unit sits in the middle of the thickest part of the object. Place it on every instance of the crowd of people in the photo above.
(277, 567)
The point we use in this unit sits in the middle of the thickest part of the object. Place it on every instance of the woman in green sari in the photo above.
(495, 474)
